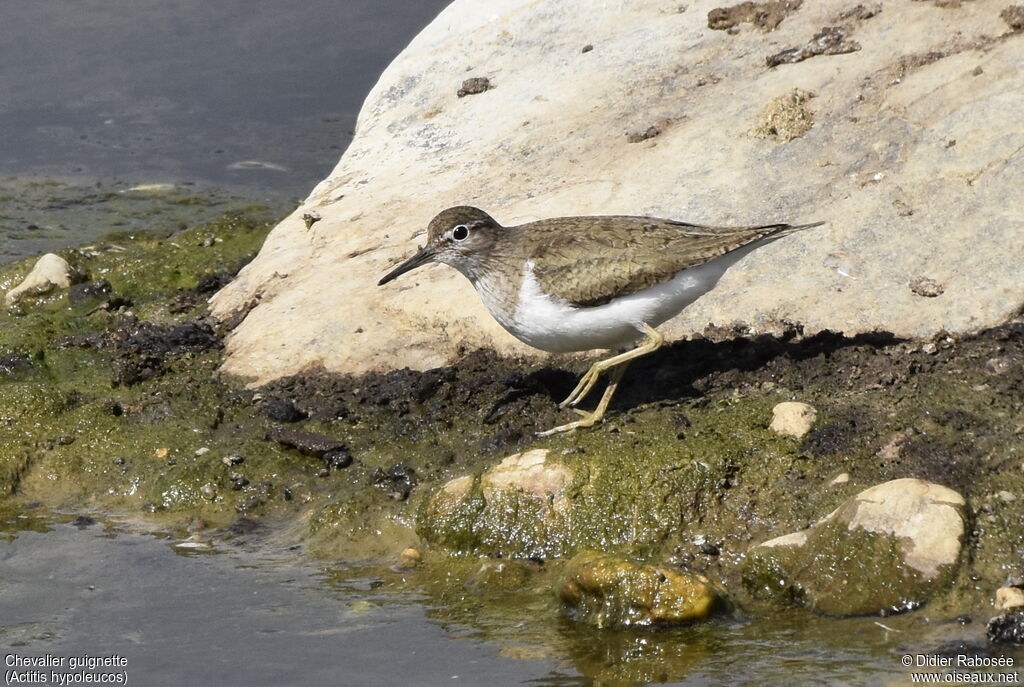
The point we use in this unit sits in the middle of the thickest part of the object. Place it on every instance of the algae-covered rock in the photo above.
(610, 591)
(519, 508)
(501, 574)
(50, 272)
(887, 549)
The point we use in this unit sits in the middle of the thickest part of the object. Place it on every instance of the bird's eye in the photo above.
(460, 232)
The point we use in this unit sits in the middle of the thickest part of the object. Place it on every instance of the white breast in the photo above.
(552, 324)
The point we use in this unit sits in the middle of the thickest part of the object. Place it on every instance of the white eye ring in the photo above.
(460, 232)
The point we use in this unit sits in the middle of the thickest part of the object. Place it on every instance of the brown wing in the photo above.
(589, 260)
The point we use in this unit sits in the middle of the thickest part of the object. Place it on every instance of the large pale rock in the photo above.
(887, 549)
(910, 149)
(50, 272)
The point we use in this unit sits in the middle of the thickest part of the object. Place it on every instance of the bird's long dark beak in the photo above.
(422, 257)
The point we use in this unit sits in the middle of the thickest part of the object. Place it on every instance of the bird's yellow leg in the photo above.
(587, 381)
(589, 419)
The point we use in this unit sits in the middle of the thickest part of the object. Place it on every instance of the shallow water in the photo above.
(239, 617)
(121, 114)
(234, 93)
(247, 613)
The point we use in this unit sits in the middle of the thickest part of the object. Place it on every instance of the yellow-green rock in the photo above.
(610, 591)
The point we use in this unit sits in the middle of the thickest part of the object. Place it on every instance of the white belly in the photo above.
(552, 324)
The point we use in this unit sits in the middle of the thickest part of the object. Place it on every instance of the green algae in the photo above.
(841, 572)
(73, 436)
(684, 466)
(611, 591)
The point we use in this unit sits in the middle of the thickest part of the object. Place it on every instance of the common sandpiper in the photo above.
(580, 283)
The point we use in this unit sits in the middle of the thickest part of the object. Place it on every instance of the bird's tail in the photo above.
(777, 231)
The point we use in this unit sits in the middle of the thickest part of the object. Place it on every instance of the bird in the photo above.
(569, 284)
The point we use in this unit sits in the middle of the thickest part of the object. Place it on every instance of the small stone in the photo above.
(282, 410)
(709, 549)
(238, 483)
(930, 348)
(202, 451)
(410, 557)
(926, 287)
(893, 447)
(338, 459)
(286, 494)
(65, 439)
(399, 480)
(1001, 365)
(793, 419)
(50, 272)
(474, 86)
(119, 460)
(1006, 629)
(162, 452)
(323, 472)
(209, 241)
(208, 491)
(1009, 598)
(79, 294)
(841, 478)
(587, 48)
(83, 521)
(232, 460)
(1006, 496)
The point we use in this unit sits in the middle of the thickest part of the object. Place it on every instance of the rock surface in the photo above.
(518, 507)
(50, 272)
(610, 591)
(793, 419)
(1009, 599)
(914, 154)
(887, 549)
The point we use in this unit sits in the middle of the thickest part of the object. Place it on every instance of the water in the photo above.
(250, 611)
(238, 617)
(192, 90)
(206, 105)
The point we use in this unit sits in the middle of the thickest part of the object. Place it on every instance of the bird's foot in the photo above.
(587, 419)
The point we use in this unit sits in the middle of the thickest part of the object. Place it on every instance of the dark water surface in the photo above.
(247, 94)
(119, 114)
(251, 613)
(186, 617)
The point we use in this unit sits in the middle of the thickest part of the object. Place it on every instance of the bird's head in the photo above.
(461, 237)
